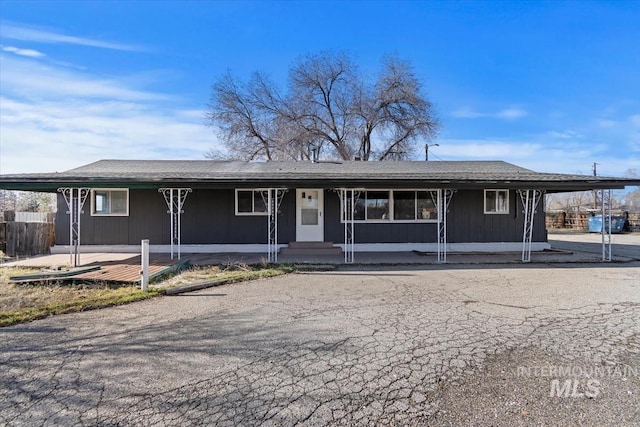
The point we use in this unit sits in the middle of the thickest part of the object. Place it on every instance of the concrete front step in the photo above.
(310, 245)
(310, 249)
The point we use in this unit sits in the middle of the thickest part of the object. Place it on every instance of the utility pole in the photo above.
(595, 192)
(426, 150)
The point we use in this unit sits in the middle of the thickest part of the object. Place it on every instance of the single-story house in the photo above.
(229, 206)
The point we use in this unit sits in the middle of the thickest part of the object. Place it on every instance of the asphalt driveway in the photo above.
(435, 345)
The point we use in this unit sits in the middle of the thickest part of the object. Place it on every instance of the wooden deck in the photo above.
(127, 271)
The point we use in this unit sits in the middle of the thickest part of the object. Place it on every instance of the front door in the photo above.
(309, 215)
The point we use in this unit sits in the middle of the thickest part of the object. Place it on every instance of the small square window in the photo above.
(250, 202)
(110, 202)
(496, 201)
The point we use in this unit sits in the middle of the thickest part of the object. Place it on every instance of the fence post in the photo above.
(144, 282)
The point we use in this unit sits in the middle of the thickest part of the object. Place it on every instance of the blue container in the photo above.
(617, 224)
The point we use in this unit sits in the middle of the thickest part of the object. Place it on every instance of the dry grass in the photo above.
(226, 273)
(25, 302)
(28, 301)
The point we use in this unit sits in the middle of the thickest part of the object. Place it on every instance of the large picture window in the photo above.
(110, 202)
(496, 201)
(395, 205)
(250, 202)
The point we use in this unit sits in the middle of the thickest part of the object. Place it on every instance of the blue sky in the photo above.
(552, 86)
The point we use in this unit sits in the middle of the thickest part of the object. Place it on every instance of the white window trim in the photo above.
(391, 212)
(252, 207)
(93, 201)
(484, 202)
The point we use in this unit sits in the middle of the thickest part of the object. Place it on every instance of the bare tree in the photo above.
(329, 106)
(398, 113)
(570, 202)
(26, 201)
(246, 115)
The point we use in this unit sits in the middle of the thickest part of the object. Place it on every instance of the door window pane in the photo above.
(309, 216)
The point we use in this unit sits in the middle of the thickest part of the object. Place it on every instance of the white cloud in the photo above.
(24, 52)
(540, 156)
(472, 149)
(511, 113)
(55, 119)
(56, 136)
(467, 113)
(565, 134)
(635, 120)
(28, 33)
(505, 114)
(22, 77)
(606, 123)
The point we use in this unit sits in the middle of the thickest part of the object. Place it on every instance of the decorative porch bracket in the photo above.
(442, 198)
(175, 198)
(272, 198)
(605, 197)
(75, 198)
(530, 200)
(348, 199)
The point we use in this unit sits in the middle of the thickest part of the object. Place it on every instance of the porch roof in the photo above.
(352, 174)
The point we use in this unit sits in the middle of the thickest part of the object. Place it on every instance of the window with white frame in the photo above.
(250, 202)
(110, 202)
(395, 206)
(496, 201)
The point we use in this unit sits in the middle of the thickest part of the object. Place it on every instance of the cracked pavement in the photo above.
(430, 345)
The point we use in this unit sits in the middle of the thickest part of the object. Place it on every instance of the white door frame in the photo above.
(313, 199)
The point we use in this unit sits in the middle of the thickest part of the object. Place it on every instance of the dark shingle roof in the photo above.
(209, 173)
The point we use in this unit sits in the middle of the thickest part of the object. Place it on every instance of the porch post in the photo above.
(175, 197)
(144, 261)
(348, 199)
(442, 199)
(530, 200)
(75, 198)
(272, 198)
(606, 224)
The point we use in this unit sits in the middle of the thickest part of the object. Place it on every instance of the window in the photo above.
(404, 205)
(496, 201)
(112, 202)
(250, 202)
(395, 205)
(377, 204)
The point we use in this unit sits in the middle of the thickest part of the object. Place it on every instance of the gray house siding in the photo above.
(466, 222)
(209, 218)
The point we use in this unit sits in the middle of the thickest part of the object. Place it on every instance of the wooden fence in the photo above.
(25, 238)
